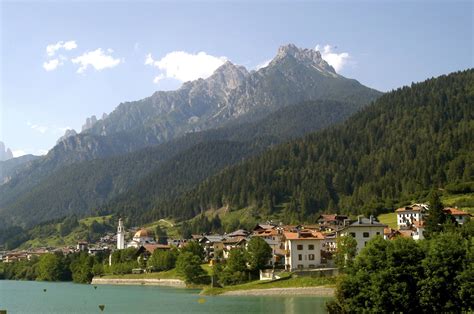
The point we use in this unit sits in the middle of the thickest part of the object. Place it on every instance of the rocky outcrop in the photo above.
(5, 153)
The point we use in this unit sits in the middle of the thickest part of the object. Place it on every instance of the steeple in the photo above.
(120, 235)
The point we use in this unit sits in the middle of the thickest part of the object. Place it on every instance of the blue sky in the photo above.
(98, 51)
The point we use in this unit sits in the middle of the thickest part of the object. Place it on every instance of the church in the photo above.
(140, 238)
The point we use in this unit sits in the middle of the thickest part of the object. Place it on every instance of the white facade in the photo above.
(363, 230)
(418, 233)
(120, 235)
(303, 253)
(408, 215)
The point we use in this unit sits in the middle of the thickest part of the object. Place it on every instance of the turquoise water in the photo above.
(61, 297)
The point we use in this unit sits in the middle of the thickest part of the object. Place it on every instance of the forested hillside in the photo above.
(410, 140)
(162, 171)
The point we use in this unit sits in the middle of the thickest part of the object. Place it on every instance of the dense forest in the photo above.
(167, 169)
(407, 142)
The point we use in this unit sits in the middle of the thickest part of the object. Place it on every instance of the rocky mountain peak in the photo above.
(66, 135)
(5, 153)
(309, 57)
(229, 75)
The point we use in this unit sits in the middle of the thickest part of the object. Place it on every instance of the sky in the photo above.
(61, 62)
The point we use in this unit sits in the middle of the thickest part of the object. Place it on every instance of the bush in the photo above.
(189, 266)
(163, 259)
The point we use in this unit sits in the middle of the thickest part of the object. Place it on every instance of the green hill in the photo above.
(165, 170)
(409, 141)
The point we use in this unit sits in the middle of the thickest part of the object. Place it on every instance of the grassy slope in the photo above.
(389, 219)
(286, 282)
(71, 239)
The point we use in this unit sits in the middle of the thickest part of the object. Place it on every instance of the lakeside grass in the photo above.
(169, 274)
(285, 282)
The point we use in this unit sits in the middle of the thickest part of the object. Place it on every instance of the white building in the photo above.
(458, 215)
(363, 230)
(303, 249)
(418, 230)
(407, 215)
(120, 235)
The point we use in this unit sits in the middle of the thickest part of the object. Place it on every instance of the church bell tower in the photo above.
(120, 235)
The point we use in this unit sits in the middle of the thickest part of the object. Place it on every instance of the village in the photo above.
(305, 247)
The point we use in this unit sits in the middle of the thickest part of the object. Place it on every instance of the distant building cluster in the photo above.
(411, 220)
(294, 247)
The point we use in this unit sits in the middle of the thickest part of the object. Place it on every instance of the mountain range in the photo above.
(232, 115)
(392, 152)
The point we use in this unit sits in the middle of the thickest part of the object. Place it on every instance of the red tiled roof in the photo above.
(304, 235)
(455, 211)
(409, 208)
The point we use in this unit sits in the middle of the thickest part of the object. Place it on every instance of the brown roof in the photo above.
(266, 232)
(234, 240)
(152, 247)
(304, 235)
(405, 233)
(409, 208)
(456, 212)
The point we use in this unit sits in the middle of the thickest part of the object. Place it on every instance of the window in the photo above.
(311, 257)
(378, 233)
(311, 266)
(300, 266)
(366, 234)
(311, 247)
(353, 234)
(365, 243)
(300, 257)
(299, 247)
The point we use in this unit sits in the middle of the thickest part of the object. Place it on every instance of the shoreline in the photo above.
(296, 291)
(176, 283)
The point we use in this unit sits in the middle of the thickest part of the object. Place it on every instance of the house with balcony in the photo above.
(303, 249)
(407, 215)
(459, 216)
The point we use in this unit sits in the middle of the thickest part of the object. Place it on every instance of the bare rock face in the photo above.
(230, 93)
(309, 57)
(66, 135)
(89, 123)
(5, 153)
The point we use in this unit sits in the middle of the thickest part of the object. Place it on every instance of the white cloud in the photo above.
(68, 45)
(39, 128)
(264, 64)
(336, 60)
(52, 64)
(98, 59)
(184, 66)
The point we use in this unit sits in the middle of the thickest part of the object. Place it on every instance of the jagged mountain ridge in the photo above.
(231, 93)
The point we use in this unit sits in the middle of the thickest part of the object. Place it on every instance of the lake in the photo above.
(65, 297)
